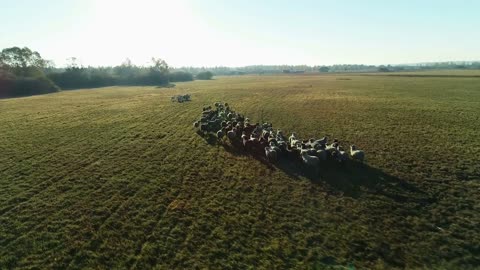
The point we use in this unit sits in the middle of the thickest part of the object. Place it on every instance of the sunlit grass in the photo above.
(117, 177)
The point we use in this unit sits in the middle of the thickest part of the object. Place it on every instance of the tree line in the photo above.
(294, 69)
(24, 72)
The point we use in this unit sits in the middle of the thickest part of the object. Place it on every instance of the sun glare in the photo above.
(142, 29)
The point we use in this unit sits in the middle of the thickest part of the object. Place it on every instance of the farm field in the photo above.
(116, 177)
(433, 73)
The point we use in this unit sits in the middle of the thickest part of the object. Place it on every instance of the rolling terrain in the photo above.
(117, 177)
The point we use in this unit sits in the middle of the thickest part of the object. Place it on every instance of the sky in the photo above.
(240, 33)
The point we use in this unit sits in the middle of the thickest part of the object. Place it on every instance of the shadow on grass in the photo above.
(355, 179)
(209, 138)
(169, 85)
(352, 179)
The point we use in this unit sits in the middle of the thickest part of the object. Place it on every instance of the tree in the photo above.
(75, 76)
(159, 65)
(49, 66)
(22, 61)
(22, 73)
(127, 63)
(158, 72)
(126, 71)
(72, 63)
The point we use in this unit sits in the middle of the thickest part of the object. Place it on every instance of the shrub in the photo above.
(383, 69)
(206, 75)
(71, 78)
(26, 86)
(82, 78)
(324, 69)
(180, 76)
(34, 86)
(6, 86)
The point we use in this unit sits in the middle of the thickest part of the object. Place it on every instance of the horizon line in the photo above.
(305, 65)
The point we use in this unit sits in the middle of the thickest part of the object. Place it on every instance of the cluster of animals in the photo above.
(181, 98)
(221, 121)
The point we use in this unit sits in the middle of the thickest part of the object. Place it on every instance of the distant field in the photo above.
(447, 73)
(117, 178)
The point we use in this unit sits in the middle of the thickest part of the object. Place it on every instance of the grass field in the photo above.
(117, 178)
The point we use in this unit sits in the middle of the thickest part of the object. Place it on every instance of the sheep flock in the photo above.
(180, 98)
(261, 139)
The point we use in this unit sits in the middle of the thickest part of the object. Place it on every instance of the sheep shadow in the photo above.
(236, 149)
(352, 178)
(169, 85)
(209, 138)
(355, 179)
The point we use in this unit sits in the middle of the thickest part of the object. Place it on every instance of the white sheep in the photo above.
(220, 134)
(292, 137)
(310, 161)
(231, 134)
(275, 147)
(319, 144)
(310, 151)
(322, 154)
(295, 143)
(244, 138)
(271, 154)
(254, 137)
(280, 136)
(340, 155)
(332, 149)
(356, 153)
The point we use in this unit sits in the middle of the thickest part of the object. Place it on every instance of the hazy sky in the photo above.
(238, 33)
